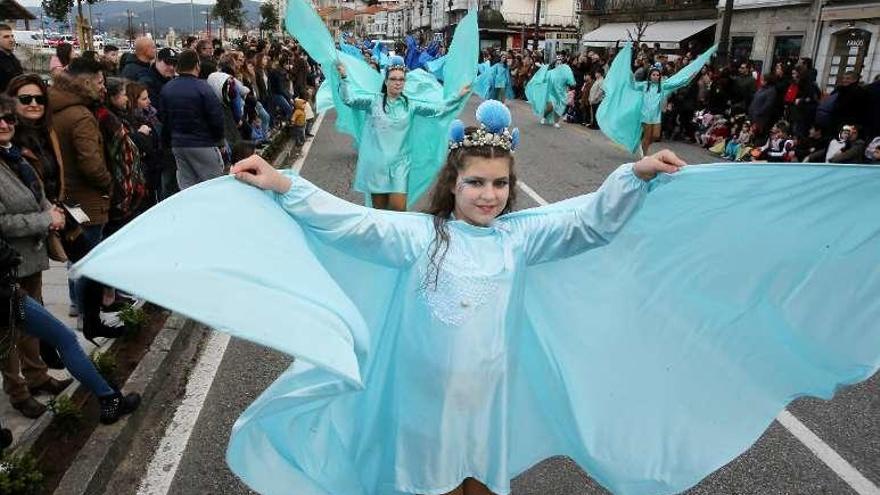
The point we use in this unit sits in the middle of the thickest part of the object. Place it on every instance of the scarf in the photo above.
(26, 174)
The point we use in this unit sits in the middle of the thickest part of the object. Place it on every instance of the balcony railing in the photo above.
(528, 18)
(630, 6)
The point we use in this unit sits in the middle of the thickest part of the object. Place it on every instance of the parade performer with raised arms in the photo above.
(398, 119)
(547, 92)
(384, 150)
(446, 352)
(631, 112)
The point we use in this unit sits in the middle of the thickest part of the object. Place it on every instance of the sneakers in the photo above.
(556, 125)
(72, 311)
(51, 386)
(543, 121)
(29, 408)
(116, 406)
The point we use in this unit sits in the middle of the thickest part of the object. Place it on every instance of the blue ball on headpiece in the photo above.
(494, 116)
(514, 139)
(456, 131)
(396, 60)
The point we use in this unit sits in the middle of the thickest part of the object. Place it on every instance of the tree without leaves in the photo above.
(268, 16)
(230, 12)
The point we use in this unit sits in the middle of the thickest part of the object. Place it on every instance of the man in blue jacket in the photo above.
(193, 121)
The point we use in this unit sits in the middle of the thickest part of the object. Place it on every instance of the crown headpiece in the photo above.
(493, 130)
(396, 63)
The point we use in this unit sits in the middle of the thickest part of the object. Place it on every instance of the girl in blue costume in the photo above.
(630, 113)
(547, 92)
(383, 154)
(501, 83)
(461, 264)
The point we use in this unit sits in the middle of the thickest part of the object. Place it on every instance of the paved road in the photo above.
(557, 164)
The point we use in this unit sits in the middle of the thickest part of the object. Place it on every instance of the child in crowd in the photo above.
(310, 114)
(258, 135)
(740, 143)
(779, 146)
(872, 152)
(703, 120)
(813, 142)
(716, 135)
(299, 121)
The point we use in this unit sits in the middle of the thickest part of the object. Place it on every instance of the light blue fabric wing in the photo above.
(537, 91)
(201, 253)
(683, 77)
(651, 361)
(435, 67)
(484, 83)
(309, 30)
(560, 79)
(412, 52)
(620, 113)
(428, 135)
(735, 290)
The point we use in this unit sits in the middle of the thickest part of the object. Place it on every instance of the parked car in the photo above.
(32, 39)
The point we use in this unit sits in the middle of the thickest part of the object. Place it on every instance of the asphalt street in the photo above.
(556, 164)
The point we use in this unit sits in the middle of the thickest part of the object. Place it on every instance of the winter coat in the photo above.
(195, 116)
(87, 179)
(134, 69)
(154, 81)
(9, 68)
(24, 221)
(763, 107)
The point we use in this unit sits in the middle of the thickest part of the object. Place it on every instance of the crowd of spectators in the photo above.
(97, 142)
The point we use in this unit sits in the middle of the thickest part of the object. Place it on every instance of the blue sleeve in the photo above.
(387, 238)
(571, 227)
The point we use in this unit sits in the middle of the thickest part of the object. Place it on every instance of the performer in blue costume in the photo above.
(384, 154)
(630, 113)
(547, 92)
(472, 343)
(501, 84)
(399, 128)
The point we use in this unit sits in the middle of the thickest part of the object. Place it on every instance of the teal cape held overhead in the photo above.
(406, 148)
(649, 331)
(547, 90)
(627, 104)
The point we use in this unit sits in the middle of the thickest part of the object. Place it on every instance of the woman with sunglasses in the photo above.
(34, 133)
(26, 219)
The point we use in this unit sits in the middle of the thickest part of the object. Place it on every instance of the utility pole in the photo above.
(192, 14)
(155, 26)
(724, 42)
(538, 21)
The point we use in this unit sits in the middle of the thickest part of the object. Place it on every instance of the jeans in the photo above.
(283, 106)
(41, 324)
(265, 119)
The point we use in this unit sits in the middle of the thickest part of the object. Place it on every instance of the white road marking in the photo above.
(850, 475)
(846, 471)
(163, 466)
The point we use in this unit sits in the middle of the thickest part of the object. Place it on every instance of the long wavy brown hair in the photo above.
(442, 199)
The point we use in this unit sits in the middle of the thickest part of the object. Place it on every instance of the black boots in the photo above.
(116, 406)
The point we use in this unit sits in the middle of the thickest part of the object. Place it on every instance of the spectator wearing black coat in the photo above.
(144, 52)
(763, 109)
(9, 64)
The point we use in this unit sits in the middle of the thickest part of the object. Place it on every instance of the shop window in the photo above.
(787, 49)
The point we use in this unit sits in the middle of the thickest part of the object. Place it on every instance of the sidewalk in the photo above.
(57, 302)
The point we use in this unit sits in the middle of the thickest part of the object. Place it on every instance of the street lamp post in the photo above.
(192, 13)
(207, 14)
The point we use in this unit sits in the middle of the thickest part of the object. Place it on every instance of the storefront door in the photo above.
(848, 54)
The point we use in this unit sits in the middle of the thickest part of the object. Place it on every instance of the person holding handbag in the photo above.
(26, 218)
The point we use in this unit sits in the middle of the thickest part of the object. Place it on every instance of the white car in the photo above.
(32, 39)
(98, 41)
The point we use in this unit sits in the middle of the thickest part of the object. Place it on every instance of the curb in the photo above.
(96, 461)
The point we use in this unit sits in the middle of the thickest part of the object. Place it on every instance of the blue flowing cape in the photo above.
(620, 113)
(550, 87)
(428, 135)
(651, 361)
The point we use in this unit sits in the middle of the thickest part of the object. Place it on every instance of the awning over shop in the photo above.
(668, 33)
